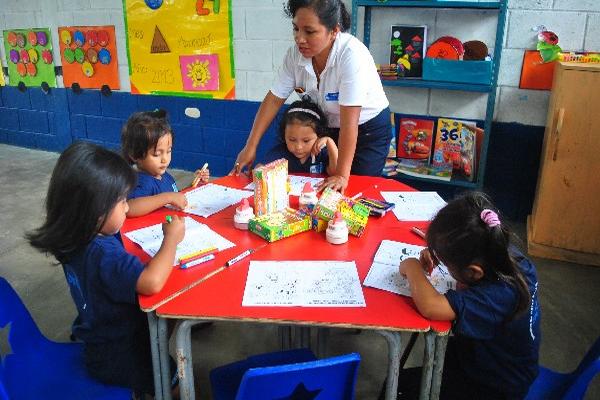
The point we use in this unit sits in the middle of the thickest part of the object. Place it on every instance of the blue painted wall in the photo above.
(52, 121)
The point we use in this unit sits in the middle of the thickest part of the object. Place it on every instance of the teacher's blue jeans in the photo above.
(372, 144)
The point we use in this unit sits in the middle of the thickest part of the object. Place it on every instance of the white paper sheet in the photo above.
(197, 237)
(384, 271)
(296, 184)
(211, 198)
(414, 206)
(303, 283)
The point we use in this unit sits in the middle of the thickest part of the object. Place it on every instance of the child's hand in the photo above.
(410, 265)
(178, 200)
(320, 143)
(426, 260)
(201, 175)
(174, 230)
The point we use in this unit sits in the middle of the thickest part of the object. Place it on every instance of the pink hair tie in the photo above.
(490, 218)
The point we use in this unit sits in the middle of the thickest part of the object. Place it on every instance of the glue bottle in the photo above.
(337, 230)
(243, 214)
(308, 197)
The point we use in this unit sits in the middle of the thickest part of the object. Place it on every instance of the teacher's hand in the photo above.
(335, 182)
(245, 159)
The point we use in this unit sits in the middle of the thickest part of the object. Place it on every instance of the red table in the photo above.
(385, 312)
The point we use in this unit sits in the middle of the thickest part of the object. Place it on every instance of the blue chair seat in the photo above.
(34, 367)
(552, 385)
(282, 374)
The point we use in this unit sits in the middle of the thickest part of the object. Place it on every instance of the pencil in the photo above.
(197, 179)
(418, 232)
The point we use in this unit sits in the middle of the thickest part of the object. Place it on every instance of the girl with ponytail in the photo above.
(494, 351)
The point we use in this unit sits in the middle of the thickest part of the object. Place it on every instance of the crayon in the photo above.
(202, 259)
(194, 256)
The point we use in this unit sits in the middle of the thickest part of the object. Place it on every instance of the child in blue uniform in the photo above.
(86, 207)
(147, 141)
(494, 351)
(304, 141)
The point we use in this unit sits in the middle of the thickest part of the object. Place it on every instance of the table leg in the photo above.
(438, 365)
(159, 347)
(285, 336)
(394, 348)
(322, 338)
(428, 362)
(301, 337)
(185, 366)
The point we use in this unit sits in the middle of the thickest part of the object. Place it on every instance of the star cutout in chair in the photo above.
(5, 348)
(301, 393)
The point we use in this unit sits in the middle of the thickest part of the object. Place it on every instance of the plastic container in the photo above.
(477, 72)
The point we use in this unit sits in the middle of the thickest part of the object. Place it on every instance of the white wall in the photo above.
(262, 34)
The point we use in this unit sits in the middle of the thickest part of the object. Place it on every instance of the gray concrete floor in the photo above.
(569, 293)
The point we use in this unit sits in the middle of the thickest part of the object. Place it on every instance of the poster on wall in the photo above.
(180, 47)
(29, 57)
(407, 49)
(2, 81)
(89, 56)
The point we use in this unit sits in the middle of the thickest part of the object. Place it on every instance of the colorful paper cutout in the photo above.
(80, 56)
(200, 72)
(2, 80)
(159, 33)
(29, 57)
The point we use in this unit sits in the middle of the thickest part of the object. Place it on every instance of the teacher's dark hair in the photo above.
(331, 13)
(87, 182)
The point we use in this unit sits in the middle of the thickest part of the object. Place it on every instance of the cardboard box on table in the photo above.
(279, 225)
(355, 214)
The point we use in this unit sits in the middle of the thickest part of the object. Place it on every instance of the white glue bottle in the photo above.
(243, 214)
(337, 230)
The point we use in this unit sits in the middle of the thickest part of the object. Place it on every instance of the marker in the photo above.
(202, 259)
(168, 218)
(197, 179)
(356, 196)
(418, 232)
(242, 255)
(194, 256)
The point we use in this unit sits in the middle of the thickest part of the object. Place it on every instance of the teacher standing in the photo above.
(337, 72)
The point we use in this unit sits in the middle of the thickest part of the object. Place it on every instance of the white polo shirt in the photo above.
(349, 79)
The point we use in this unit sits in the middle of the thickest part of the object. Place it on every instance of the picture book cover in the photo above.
(392, 149)
(407, 49)
(456, 146)
(415, 138)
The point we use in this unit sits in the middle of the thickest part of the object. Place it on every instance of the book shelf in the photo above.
(490, 89)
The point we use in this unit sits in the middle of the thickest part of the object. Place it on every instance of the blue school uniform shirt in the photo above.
(102, 279)
(498, 354)
(294, 165)
(148, 185)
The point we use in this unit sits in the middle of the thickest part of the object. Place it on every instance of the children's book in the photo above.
(415, 138)
(420, 169)
(407, 49)
(392, 150)
(384, 272)
(456, 145)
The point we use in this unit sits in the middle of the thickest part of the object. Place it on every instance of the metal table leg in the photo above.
(160, 352)
(428, 362)
(394, 348)
(185, 366)
(438, 366)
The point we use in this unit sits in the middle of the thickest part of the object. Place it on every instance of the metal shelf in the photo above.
(452, 182)
(489, 89)
(430, 4)
(420, 83)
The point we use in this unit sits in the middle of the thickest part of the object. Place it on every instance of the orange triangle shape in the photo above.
(159, 44)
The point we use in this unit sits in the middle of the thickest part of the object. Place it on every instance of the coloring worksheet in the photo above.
(296, 184)
(414, 206)
(211, 198)
(303, 284)
(197, 237)
(384, 271)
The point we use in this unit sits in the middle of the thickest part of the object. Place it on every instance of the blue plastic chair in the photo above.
(551, 385)
(33, 367)
(286, 374)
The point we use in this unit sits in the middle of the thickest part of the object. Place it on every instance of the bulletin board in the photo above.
(89, 56)
(182, 47)
(29, 57)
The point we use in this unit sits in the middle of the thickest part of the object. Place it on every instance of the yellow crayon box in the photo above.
(355, 213)
(279, 225)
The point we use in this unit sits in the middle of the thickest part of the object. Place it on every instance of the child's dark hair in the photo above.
(306, 113)
(141, 133)
(459, 236)
(331, 13)
(87, 182)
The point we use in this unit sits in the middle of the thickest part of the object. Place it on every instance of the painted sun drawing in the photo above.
(200, 72)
